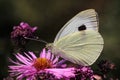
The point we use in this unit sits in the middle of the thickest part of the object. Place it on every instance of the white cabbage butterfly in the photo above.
(79, 40)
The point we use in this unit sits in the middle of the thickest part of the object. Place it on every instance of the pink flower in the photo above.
(46, 66)
(23, 30)
(84, 73)
(20, 32)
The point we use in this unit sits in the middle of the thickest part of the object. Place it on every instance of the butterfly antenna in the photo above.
(36, 39)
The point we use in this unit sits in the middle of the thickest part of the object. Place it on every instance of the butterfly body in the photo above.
(79, 40)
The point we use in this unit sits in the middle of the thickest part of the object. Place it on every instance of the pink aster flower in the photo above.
(84, 73)
(20, 32)
(44, 67)
(23, 30)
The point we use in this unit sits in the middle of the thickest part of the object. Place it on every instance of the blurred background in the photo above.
(50, 16)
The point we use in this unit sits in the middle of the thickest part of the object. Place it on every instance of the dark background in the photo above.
(50, 16)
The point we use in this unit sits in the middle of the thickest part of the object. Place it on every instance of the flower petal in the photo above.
(55, 60)
(33, 55)
(43, 54)
(22, 59)
(48, 55)
(61, 73)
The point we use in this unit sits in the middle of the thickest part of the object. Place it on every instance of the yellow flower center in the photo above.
(42, 63)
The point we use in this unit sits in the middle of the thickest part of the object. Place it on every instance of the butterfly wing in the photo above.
(88, 18)
(82, 47)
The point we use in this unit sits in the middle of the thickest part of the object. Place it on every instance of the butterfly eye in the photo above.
(82, 27)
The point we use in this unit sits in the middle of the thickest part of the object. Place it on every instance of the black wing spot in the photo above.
(82, 27)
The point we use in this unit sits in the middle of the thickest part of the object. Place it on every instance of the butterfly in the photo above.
(79, 40)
